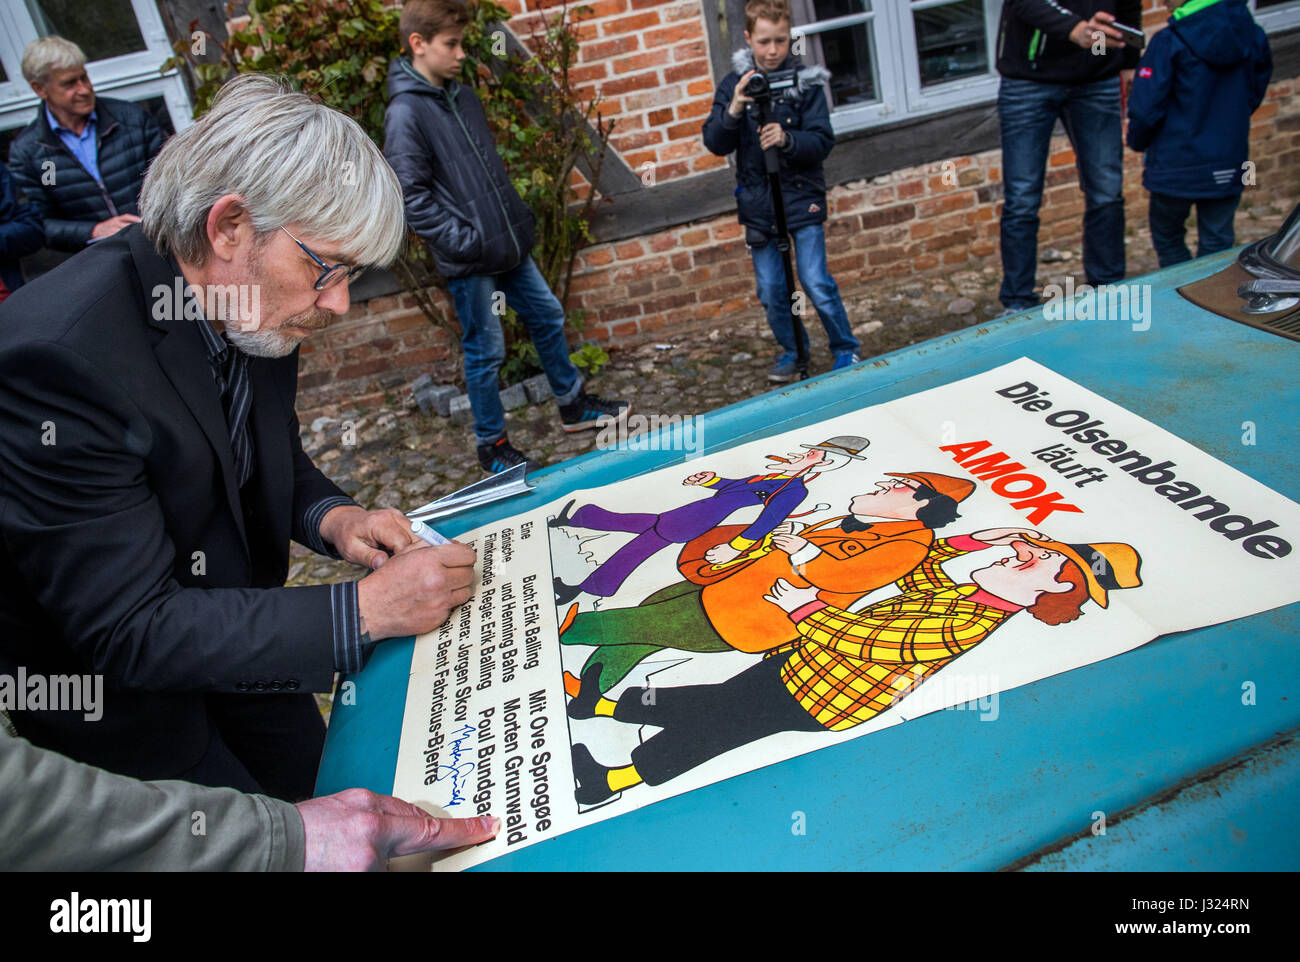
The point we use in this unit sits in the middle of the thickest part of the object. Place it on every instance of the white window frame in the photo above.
(1277, 18)
(133, 76)
(898, 71)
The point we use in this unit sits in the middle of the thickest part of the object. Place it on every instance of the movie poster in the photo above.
(631, 642)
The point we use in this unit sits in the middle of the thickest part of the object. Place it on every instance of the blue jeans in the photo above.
(818, 285)
(484, 342)
(1091, 115)
(1214, 226)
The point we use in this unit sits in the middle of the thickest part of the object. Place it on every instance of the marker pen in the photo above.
(427, 534)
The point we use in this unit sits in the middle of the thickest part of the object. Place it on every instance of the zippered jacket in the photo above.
(1194, 91)
(458, 196)
(1034, 40)
(807, 123)
(71, 202)
(20, 233)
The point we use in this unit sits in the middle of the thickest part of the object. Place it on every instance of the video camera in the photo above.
(763, 87)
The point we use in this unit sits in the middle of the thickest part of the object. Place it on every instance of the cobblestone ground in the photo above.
(403, 459)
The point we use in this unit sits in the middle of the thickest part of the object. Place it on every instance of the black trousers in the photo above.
(701, 722)
(268, 744)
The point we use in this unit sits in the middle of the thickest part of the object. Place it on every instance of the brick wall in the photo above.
(647, 58)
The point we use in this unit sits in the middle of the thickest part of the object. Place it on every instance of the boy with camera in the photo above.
(460, 200)
(801, 133)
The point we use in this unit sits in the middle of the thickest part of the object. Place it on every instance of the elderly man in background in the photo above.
(151, 474)
(82, 161)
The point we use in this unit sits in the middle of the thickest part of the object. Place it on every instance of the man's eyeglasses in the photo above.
(331, 274)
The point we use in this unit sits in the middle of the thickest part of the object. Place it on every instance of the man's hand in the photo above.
(359, 831)
(789, 527)
(720, 554)
(700, 477)
(367, 538)
(789, 598)
(790, 543)
(1008, 535)
(416, 590)
(1085, 32)
(772, 135)
(738, 98)
(107, 228)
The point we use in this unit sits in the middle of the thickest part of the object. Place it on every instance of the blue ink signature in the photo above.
(457, 770)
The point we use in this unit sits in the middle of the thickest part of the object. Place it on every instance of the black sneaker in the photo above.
(501, 456)
(590, 411)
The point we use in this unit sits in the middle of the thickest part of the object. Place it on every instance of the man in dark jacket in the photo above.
(1062, 58)
(460, 200)
(20, 235)
(82, 160)
(151, 473)
(802, 133)
(1196, 87)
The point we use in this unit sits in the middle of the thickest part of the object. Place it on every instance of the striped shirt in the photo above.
(230, 372)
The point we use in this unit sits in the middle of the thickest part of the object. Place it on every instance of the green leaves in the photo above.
(339, 51)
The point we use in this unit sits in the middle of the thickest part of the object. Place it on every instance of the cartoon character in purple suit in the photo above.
(779, 492)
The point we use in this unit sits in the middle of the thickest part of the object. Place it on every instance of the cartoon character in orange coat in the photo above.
(721, 608)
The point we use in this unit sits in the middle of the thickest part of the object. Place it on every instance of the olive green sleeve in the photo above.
(57, 814)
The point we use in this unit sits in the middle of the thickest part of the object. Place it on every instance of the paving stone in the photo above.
(514, 397)
(436, 399)
(538, 389)
(460, 411)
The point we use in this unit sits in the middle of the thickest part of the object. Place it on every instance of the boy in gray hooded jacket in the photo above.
(460, 200)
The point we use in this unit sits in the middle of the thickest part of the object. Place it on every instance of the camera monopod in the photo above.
(760, 88)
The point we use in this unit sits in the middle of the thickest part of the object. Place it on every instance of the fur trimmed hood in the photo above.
(742, 61)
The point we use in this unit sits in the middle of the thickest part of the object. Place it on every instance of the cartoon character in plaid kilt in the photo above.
(846, 668)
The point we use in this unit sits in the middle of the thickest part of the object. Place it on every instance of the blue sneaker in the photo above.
(784, 369)
(591, 411)
(844, 360)
(501, 455)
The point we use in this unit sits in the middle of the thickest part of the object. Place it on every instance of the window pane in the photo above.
(849, 54)
(828, 9)
(102, 29)
(951, 41)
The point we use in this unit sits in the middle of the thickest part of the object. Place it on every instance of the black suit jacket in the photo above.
(126, 549)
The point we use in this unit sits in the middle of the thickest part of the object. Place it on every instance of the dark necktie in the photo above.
(237, 398)
(852, 524)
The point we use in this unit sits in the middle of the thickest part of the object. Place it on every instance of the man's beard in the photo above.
(277, 342)
(274, 342)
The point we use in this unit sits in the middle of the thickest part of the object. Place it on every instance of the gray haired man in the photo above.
(81, 161)
(151, 474)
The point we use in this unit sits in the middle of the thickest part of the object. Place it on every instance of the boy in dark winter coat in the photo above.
(460, 200)
(1196, 86)
(802, 133)
(20, 234)
(1062, 59)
